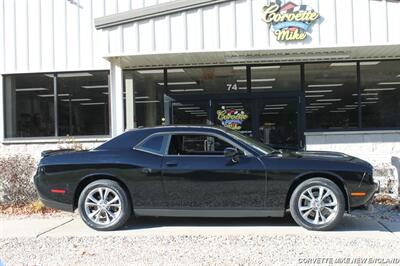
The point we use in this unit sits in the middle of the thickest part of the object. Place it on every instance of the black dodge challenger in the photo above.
(201, 171)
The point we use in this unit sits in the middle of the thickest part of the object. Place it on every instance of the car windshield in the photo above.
(259, 146)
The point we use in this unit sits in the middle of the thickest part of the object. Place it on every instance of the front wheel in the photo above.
(317, 204)
(104, 205)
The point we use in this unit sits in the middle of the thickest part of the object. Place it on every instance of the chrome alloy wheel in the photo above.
(318, 205)
(103, 206)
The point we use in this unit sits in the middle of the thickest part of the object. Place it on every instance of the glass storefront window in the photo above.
(278, 78)
(380, 83)
(144, 98)
(29, 105)
(82, 103)
(331, 95)
(190, 113)
(206, 80)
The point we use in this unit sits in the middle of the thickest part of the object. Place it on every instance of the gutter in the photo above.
(153, 11)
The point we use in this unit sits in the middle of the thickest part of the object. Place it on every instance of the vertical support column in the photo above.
(116, 98)
(2, 109)
(359, 96)
(56, 105)
(301, 118)
(130, 101)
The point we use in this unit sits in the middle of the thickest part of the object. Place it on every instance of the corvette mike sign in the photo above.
(289, 22)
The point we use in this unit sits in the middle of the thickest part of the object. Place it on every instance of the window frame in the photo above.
(164, 147)
(56, 136)
(246, 153)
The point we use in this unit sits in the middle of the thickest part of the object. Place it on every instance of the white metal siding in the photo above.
(59, 35)
(237, 25)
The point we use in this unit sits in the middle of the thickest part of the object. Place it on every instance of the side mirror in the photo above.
(232, 153)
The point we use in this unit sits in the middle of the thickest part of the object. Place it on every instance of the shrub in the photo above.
(16, 172)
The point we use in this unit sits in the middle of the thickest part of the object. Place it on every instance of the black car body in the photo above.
(161, 180)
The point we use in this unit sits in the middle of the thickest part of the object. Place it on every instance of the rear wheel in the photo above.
(317, 204)
(104, 205)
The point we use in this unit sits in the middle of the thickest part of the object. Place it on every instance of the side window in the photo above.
(153, 144)
(192, 144)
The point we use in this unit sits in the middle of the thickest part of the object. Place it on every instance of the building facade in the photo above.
(300, 74)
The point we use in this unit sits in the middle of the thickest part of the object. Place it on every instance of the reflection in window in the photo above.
(380, 83)
(331, 95)
(189, 113)
(83, 103)
(197, 145)
(29, 105)
(275, 78)
(144, 98)
(206, 80)
(82, 100)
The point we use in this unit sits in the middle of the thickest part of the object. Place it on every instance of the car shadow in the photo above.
(350, 223)
(154, 222)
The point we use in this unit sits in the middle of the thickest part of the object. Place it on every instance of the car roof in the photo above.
(132, 137)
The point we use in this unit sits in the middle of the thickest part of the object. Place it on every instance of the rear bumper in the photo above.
(57, 205)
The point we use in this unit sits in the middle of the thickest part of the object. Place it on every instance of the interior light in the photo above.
(261, 87)
(151, 101)
(239, 68)
(179, 83)
(275, 105)
(343, 64)
(380, 89)
(271, 113)
(256, 80)
(76, 100)
(52, 95)
(389, 83)
(372, 99)
(31, 89)
(314, 96)
(337, 111)
(329, 100)
(319, 91)
(95, 86)
(189, 108)
(366, 94)
(186, 90)
(325, 85)
(265, 67)
(141, 97)
(320, 103)
(70, 75)
(370, 63)
(86, 104)
(274, 108)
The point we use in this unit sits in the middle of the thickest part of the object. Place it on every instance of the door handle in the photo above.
(171, 164)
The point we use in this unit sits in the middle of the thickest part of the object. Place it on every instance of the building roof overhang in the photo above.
(152, 12)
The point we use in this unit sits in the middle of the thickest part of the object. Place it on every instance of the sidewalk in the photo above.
(351, 226)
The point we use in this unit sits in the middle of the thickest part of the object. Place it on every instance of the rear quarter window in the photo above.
(154, 144)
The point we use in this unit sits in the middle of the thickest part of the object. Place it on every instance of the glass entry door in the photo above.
(278, 122)
(234, 114)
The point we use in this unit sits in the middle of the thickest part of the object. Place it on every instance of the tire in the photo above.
(304, 207)
(113, 211)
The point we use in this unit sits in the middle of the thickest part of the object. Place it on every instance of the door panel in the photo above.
(213, 182)
(196, 174)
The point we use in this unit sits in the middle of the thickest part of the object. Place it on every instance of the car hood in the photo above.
(322, 156)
